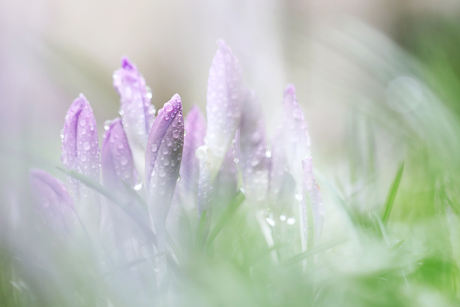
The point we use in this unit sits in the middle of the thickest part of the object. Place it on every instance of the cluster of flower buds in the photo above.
(163, 166)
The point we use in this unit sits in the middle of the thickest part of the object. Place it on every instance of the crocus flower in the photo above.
(253, 149)
(117, 159)
(117, 171)
(80, 153)
(54, 201)
(163, 159)
(297, 149)
(195, 128)
(225, 97)
(135, 108)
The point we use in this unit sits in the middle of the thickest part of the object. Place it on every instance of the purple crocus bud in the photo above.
(297, 148)
(80, 145)
(80, 152)
(135, 109)
(54, 201)
(116, 159)
(117, 167)
(162, 161)
(224, 101)
(195, 127)
(253, 149)
(311, 187)
(296, 138)
(225, 97)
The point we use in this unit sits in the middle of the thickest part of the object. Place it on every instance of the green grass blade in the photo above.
(225, 217)
(392, 195)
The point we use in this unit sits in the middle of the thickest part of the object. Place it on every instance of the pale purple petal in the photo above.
(224, 101)
(163, 159)
(253, 149)
(135, 108)
(80, 152)
(116, 158)
(195, 128)
(311, 187)
(296, 143)
(54, 201)
(80, 145)
(225, 186)
(117, 167)
(295, 134)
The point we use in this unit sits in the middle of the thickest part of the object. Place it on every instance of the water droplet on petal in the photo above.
(282, 218)
(162, 173)
(291, 221)
(107, 124)
(154, 147)
(138, 186)
(178, 179)
(176, 134)
(123, 160)
(83, 158)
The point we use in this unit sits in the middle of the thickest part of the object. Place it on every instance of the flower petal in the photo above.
(54, 201)
(135, 108)
(253, 149)
(163, 159)
(195, 127)
(116, 158)
(224, 101)
(80, 145)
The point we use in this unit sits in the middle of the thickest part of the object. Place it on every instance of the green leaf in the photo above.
(392, 195)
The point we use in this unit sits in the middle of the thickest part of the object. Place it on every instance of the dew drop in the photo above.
(270, 221)
(107, 124)
(154, 147)
(268, 153)
(168, 107)
(298, 196)
(86, 146)
(282, 218)
(162, 173)
(82, 122)
(291, 221)
(138, 185)
(123, 160)
(83, 158)
(176, 134)
(178, 179)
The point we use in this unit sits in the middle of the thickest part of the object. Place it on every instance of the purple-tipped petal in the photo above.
(80, 145)
(195, 127)
(224, 101)
(54, 201)
(253, 149)
(298, 153)
(116, 158)
(311, 187)
(135, 108)
(163, 159)
(296, 138)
